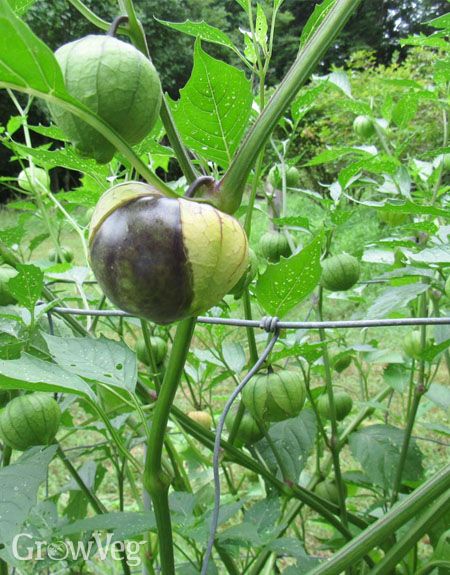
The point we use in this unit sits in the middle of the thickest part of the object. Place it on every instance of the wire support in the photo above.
(341, 324)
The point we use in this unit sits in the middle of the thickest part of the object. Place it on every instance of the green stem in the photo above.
(91, 17)
(138, 38)
(231, 187)
(155, 480)
(419, 390)
(253, 351)
(412, 536)
(406, 439)
(375, 534)
(151, 355)
(334, 439)
(97, 505)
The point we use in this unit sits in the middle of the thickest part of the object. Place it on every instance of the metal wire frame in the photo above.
(394, 322)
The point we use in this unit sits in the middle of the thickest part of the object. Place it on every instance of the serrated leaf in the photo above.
(285, 284)
(27, 285)
(315, 20)
(34, 374)
(214, 108)
(294, 441)
(201, 30)
(19, 484)
(292, 222)
(395, 298)
(104, 360)
(378, 447)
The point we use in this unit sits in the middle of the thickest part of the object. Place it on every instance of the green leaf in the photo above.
(435, 255)
(21, 6)
(260, 526)
(309, 352)
(405, 110)
(201, 30)
(315, 20)
(305, 101)
(378, 164)
(378, 447)
(395, 298)
(67, 158)
(243, 4)
(294, 441)
(336, 154)
(104, 360)
(440, 395)
(19, 484)
(27, 285)
(291, 222)
(125, 525)
(397, 376)
(285, 284)
(25, 61)
(261, 27)
(234, 356)
(34, 374)
(214, 108)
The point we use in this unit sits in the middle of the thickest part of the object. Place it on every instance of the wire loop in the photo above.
(269, 324)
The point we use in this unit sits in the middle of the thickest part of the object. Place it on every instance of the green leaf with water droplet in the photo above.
(285, 284)
(214, 108)
(27, 285)
(105, 360)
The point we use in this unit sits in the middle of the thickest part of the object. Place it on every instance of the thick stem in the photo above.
(377, 533)
(156, 482)
(412, 536)
(231, 187)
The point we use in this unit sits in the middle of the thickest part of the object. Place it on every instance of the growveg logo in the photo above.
(26, 548)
